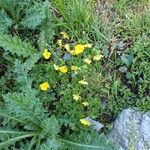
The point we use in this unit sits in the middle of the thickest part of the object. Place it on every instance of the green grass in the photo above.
(76, 16)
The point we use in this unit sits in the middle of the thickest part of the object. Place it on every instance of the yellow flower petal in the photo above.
(44, 86)
(74, 68)
(76, 97)
(85, 122)
(72, 52)
(87, 60)
(59, 42)
(46, 54)
(65, 35)
(88, 45)
(56, 67)
(85, 103)
(63, 69)
(98, 57)
(78, 49)
(67, 47)
(83, 82)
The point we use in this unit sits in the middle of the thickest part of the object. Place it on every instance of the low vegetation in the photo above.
(65, 60)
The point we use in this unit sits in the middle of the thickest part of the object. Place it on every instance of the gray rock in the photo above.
(66, 57)
(132, 130)
(123, 69)
(95, 124)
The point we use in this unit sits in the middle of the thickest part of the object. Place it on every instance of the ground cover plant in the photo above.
(65, 60)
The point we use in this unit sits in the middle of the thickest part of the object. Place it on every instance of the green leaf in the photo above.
(8, 131)
(87, 141)
(11, 117)
(50, 126)
(5, 22)
(26, 107)
(83, 146)
(30, 62)
(35, 15)
(50, 144)
(13, 140)
(16, 46)
(22, 69)
(126, 59)
(14, 8)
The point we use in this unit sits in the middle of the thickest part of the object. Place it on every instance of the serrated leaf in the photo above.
(6, 115)
(92, 141)
(16, 46)
(13, 140)
(50, 144)
(5, 22)
(14, 8)
(30, 62)
(34, 16)
(50, 126)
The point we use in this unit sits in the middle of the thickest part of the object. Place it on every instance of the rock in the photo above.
(123, 69)
(95, 124)
(66, 57)
(132, 130)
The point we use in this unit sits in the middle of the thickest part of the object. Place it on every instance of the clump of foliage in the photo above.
(61, 64)
(43, 109)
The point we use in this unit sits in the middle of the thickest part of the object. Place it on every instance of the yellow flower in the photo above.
(76, 97)
(78, 49)
(88, 45)
(56, 67)
(67, 47)
(74, 68)
(59, 43)
(85, 103)
(46, 54)
(44, 86)
(98, 57)
(83, 82)
(65, 35)
(63, 69)
(85, 122)
(87, 60)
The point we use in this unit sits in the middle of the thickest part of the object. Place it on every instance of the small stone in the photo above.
(123, 69)
(66, 57)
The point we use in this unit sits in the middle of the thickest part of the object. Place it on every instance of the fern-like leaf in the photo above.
(8, 116)
(16, 46)
(22, 69)
(35, 15)
(92, 141)
(50, 144)
(5, 22)
(13, 140)
(14, 8)
(25, 107)
(47, 28)
(50, 127)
